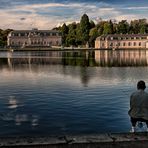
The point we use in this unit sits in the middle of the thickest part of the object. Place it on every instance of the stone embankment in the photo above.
(125, 140)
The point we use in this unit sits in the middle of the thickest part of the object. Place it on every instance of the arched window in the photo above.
(139, 43)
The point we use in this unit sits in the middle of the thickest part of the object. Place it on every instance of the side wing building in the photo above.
(122, 41)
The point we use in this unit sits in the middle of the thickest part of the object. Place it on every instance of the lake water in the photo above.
(68, 93)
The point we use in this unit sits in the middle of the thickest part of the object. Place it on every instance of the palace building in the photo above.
(34, 38)
(122, 41)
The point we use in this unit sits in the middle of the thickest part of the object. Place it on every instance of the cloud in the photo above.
(48, 15)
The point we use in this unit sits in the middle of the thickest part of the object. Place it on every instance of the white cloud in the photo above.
(136, 8)
(46, 16)
(126, 17)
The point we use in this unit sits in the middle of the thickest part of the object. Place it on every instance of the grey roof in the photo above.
(121, 35)
(26, 31)
(34, 32)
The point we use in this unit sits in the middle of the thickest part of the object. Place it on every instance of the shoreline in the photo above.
(66, 49)
(108, 140)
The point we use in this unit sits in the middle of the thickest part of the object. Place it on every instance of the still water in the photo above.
(68, 93)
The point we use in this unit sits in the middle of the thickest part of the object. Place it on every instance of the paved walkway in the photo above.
(124, 140)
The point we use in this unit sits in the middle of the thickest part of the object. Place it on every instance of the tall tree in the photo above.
(64, 30)
(71, 37)
(84, 29)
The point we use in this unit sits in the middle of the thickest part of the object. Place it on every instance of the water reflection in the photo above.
(76, 58)
(19, 119)
(13, 102)
(39, 61)
(40, 95)
(122, 58)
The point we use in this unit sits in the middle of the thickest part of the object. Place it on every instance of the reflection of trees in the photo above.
(3, 62)
(80, 58)
(84, 76)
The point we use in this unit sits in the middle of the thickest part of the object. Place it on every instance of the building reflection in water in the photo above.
(121, 57)
(80, 58)
(35, 61)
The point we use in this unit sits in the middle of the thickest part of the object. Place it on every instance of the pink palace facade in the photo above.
(34, 38)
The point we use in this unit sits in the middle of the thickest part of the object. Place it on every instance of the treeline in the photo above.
(79, 34)
(86, 31)
(3, 37)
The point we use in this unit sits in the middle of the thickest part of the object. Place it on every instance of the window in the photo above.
(134, 43)
(123, 43)
(102, 44)
(143, 37)
(129, 43)
(139, 43)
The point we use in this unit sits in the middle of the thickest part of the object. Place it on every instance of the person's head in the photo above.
(141, 85)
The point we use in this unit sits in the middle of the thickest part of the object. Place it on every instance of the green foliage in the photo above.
(3, 37)
(64, 30)
(93, 35)
(123, 27)
(108, 28)
(78, 34)
(84, 29)
(71, 37)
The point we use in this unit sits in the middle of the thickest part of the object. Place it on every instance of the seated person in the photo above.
(139, 106)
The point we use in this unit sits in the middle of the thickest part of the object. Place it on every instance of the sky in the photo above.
(47, 14)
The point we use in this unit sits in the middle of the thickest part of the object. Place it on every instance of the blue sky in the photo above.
(46, 14)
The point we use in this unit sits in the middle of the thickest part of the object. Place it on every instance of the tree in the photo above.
(100, 27)
(71, 37)
(143, 25)
(108, 28)
(93, 35)
(92, 24)
(84, 29)
(3, 36)
(64, 30)
(123, 27)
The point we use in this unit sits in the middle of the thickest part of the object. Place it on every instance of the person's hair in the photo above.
(141, 85)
